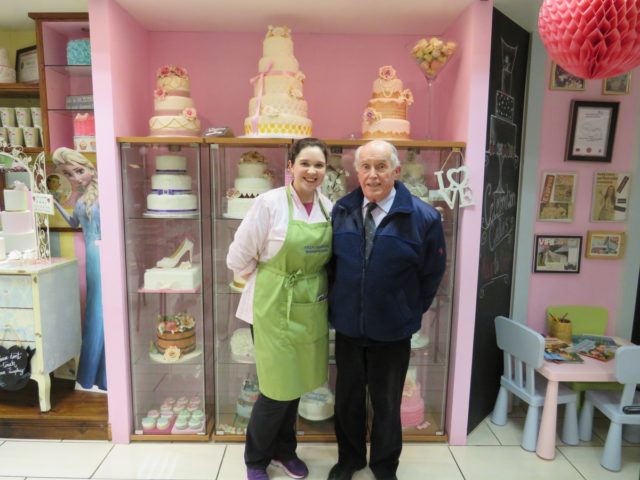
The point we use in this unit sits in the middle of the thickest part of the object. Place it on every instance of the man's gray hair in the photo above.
(391, 149)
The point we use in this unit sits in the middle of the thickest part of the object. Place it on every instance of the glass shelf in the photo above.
(71, 70)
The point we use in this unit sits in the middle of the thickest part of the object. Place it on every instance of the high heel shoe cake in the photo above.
(172, 261)
(171, 273)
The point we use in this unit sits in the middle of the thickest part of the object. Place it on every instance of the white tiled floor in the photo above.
(492, 453)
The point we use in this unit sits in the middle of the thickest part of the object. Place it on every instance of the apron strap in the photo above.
(290, 203)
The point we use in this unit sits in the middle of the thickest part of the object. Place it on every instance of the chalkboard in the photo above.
(15, 368)
(508, 71)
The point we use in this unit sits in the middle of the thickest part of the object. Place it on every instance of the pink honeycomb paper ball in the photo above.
(592, 39)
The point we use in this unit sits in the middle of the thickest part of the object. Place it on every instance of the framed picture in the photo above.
(610, 202)
(605, 244)
(592, 128)
(27, 65)
(557, 254)
(557, 197)
(563, 80)
(617, 85)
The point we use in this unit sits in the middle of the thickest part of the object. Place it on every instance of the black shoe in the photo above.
(340, 472)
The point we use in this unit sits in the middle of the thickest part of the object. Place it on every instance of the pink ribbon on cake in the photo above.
(260, 78)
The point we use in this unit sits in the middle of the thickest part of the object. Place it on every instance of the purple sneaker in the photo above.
(256, 474)
(295, 467)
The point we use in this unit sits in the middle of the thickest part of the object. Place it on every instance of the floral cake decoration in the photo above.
(190, 113)
(282, 31)
(371, 115)
(172, 70)
(387, 73)
(252, 157)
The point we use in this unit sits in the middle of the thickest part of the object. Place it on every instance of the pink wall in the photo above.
(599, 281)
(118, 49)
(469, 122)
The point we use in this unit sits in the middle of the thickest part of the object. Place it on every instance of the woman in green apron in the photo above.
(281, 248)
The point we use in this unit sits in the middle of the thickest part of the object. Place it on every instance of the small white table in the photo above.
(41, 304)
(591, 370)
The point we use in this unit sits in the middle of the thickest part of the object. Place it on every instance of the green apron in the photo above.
(290, 309)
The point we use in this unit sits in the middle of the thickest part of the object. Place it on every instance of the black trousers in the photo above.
(382, 368)
(271, 432)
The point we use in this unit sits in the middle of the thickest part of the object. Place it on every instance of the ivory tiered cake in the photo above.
(386, 112)
(171, 193)
(174, 114)
(252, 180)
(278, 107)
(18, 229)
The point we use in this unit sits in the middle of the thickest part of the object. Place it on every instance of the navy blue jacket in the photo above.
(384, 300)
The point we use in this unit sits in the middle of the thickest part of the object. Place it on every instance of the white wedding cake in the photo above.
(278, 107)
(174, 113)
(317, 405)
(171, 193)
(386, 112)
(252, 180)
(18, 226)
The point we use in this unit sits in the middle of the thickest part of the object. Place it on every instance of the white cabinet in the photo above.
(40, 307)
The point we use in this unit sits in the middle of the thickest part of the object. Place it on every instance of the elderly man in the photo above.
(388, 260)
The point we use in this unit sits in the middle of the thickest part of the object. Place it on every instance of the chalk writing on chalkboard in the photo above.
(15, 367)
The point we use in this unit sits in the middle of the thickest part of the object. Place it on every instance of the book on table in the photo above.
(600, 347)
(555, 350)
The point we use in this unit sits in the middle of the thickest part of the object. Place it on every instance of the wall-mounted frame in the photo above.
(619, 85)
(557, 197)
(563, 80)
(592, 129)
(27, 65)
(610, 201)
(557, 254)
(605, 244)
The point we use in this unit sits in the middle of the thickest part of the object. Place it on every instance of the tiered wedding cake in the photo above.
(18, 229)
(386, 112)
(278, 107)
(171, 194)
(173, 106)
(252, 180)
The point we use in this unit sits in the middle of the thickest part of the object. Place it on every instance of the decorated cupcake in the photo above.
(148, 423)
(163, 424)
(194, 423)
(181, 423)
(153, 414)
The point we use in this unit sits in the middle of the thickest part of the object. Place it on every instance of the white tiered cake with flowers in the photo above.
(174, 113)
(278, 108)
(253, 179)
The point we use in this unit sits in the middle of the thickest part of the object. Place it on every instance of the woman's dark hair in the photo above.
(303, 143)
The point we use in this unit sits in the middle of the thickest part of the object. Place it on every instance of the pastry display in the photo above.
(174, 113)
(252, 180)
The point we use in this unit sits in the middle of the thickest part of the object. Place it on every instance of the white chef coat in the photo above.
(261, 234)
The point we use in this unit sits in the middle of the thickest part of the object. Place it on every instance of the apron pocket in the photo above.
(308, 321)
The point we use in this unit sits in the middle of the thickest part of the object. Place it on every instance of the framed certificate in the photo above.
(27, 65)
(592, 128)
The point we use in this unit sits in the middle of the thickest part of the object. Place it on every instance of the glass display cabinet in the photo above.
(424, 398)
(425, 393)
(242, 168)
(167, 227)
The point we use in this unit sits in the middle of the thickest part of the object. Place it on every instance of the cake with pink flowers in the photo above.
(386, 113)
(84, 132)
(412, 406)
(278, 107)
(174, 113)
